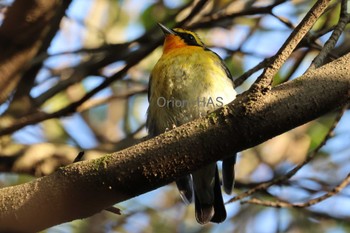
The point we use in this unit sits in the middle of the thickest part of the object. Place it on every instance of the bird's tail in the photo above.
(209, 204)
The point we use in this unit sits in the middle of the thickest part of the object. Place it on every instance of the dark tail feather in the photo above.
(184, 184)
(228, 173)
(219, 207)
(204, 212)
(214, 212)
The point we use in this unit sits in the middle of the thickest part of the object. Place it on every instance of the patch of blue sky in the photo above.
(339, 145)
(30, 134)
(92, 82)
(270, 220)
(284, 219)
(70, 37)
(136, 7)
(150, 199)
(224, 227)
(262, 173)
(292, 194)
(113, 68)
(133, 31)
(336, 229)
(173, 4)
(266, 218)
(78, 9)
(308, 183)
(231, 208)
(271, 23)
(77, 128)
(230, 39)
(137, 111)
(137, 223)
(325, 37)
(63, 60)
(44, 83)
(237, 36)
(142, 107)
(286, 10)
(343, 125)
(340, 206)
(4, 107)
(8, 179)
(63, 228)
(261, 42)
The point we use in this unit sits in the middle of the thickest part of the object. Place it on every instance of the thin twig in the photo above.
(101, 101)
(297, 63)
(132, 60)
(284, 20)
(71, 108)
(219, 17)
(284, 204)
(251, 71)
(309, 157)
(194, 11)
(344, 19)
(263, 83)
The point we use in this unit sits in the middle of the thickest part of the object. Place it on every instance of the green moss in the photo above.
(101, 163)
(202, 126)
(213, 117)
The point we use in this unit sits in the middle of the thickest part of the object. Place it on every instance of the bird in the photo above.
(189, 81)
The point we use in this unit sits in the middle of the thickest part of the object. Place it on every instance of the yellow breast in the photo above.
(186, 83)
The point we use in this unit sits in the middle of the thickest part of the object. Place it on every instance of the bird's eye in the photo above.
(190, 37)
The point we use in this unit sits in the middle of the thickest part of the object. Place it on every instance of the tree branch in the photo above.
(291, 173)
(265, 79)
(344, 19)
(22, 34)
(84, 188)
(314, 201)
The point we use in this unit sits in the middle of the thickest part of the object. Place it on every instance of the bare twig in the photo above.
(284, 20)
(97, 102)
(195, 10)
(285, 204)
(281, 179)
(219, 17)
(263, 83)
(300, 58)
(344, 19)
(251, 71)
(133, 59)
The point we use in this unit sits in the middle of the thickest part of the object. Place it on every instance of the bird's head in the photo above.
(178, 38)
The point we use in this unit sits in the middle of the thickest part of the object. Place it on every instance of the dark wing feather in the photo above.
(228, 173)
(219, 207)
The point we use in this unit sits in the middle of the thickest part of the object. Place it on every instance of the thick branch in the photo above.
(85, 188)
(25, 27)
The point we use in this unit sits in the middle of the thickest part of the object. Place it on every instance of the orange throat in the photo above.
(172, 42)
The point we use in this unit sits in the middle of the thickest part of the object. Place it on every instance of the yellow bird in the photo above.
(188, 81)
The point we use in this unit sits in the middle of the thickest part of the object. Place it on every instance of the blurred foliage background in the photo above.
(97, 69)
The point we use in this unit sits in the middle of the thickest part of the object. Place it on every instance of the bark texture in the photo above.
(82, 189)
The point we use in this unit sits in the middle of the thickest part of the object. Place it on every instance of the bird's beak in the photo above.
(166, 30)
